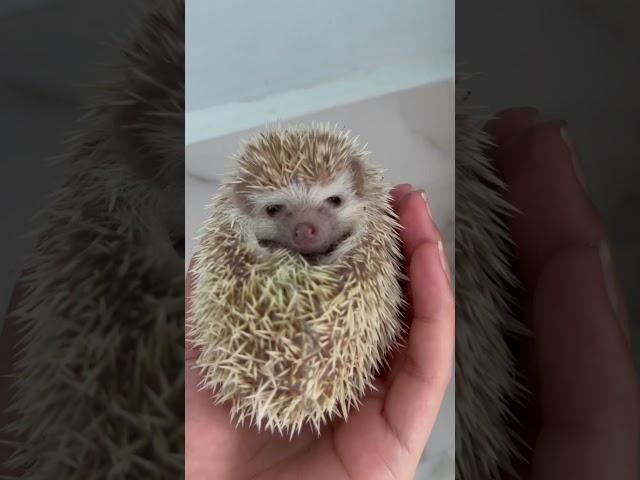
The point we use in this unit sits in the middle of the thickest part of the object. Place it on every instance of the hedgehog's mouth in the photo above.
(311, 257)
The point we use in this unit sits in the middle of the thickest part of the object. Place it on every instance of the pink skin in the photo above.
(386, 436)
(582, 420)
(305, 237)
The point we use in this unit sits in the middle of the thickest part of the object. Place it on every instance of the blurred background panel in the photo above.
(575, 60)
(52, 52)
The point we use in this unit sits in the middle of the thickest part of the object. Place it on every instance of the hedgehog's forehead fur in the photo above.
(317, 156)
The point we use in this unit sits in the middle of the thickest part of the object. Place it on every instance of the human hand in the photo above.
(582, 419)
(385, 437)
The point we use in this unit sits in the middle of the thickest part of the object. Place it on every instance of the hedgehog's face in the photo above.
(313, 220)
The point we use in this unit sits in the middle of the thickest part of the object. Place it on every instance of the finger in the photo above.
(509, 124)
(398, 192)
(546, 185)
(555, 210)
(588, 389)
(417, 390)
(418, 226)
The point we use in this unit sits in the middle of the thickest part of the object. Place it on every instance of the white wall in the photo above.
(244, 50)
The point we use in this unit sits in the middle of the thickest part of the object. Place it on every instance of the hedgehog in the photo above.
(101, 319)
(487, 383)
(296, 299)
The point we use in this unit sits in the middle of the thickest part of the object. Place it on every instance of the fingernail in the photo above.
(423, 194)
(577, 168)
(607, 271)
(443, 260)
(611, 286)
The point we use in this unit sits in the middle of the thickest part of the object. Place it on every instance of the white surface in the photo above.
(238, 115)
(242, 50)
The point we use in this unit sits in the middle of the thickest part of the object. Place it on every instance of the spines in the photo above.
(285, 343)
(486, 380)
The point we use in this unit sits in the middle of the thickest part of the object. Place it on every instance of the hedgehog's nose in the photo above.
(305, 234)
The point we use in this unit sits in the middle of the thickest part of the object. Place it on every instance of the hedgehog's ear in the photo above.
(359, 172)
(241, 196)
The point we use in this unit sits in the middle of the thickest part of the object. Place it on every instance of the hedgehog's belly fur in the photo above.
(288, 343)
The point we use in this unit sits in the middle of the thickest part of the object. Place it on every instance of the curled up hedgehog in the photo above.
(296, 294)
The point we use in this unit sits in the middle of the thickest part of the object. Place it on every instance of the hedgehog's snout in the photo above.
(305, 235)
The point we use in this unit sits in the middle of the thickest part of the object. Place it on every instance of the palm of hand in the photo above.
(230, 452)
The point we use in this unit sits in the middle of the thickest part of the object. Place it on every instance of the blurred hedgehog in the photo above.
(486, 379)
(99, 390)
(296, 298)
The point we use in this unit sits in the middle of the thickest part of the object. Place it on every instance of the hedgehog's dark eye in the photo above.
(335, 201)
(273, 210)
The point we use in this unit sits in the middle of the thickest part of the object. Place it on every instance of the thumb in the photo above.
(588, 390)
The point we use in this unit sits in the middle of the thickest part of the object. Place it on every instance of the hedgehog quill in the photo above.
(487, 381)
(296, 297)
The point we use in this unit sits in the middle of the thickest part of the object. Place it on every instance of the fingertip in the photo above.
(543, 142)
(509, 124)
(525, 111)
(413, 202)
(588, 391)
(418, 226)
(398, 193)
(428, 267)
(512, 120)
(403, 186)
